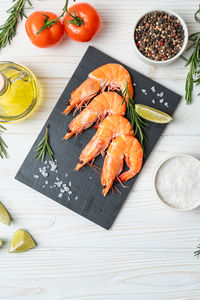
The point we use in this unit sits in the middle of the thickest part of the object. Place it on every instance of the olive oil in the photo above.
(19, 92)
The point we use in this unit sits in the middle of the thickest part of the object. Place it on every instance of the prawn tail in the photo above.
(69, 107)
(105, 190)
(125, 176)
(68, 134)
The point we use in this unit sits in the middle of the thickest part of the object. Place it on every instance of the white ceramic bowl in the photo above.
(164, 62)
(197, 161)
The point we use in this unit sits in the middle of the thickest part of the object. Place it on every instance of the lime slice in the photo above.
(152, 114)
(4, 216)
(21, 242)
(1, 243)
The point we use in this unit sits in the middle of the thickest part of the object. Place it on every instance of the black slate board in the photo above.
(84, 194)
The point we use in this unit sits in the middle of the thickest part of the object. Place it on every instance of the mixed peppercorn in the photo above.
(159, 36)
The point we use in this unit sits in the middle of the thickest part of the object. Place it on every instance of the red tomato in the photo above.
(48, 37)
(82, 23)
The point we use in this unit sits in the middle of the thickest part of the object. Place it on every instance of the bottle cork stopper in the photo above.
(3, 83)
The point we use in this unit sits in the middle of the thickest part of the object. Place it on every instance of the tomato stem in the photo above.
(76, 19)
(48, 24)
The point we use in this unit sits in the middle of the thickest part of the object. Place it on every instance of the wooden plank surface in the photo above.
(148, 254)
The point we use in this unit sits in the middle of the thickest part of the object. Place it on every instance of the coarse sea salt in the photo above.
(160, 95)
(36, 176)
(153, 89)
(53, 165)
(177, 182)
(43, 171)
(59, 183)
(144, 91)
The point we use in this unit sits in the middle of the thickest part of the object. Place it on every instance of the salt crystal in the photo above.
(60, 195)
(43, 186)
(36, 176)
(68, 198)
(143, 90)
(160, 95)
(153, 89)
(66, 188)
(70, 184)
(59, 183)
(70, 192)
(57, 178)
(46, 182)
(153, 101)
(161, 100)
(45, 162)
(90, 177)
(62, 191)
(53, 165)
(166, 104)
(134, 84)
(76, 198)
(66, 175)
(43, 171)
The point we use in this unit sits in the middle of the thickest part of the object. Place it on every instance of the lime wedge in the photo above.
(152, 114)
(4, 216)
(21, 242)
(1, 243)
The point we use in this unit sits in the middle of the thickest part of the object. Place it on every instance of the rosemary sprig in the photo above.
(197, 252)
(193, 76)
(8, 29)
(43, 147)
(137, 122)
(3, 146)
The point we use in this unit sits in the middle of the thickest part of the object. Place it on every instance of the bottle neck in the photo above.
(3, 83)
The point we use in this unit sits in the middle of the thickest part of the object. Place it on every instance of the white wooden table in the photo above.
(148, 253)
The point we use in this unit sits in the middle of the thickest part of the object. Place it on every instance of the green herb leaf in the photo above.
(3, 146)
(138, 124)
(197, 252)
(44, 147)
(193, 61)
(8, 29)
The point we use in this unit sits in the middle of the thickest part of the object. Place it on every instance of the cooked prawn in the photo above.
(111, 76)
(123, 147)
(110, 128)
(107, 103)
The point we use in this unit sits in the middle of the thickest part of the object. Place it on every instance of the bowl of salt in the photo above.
(177, 182)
